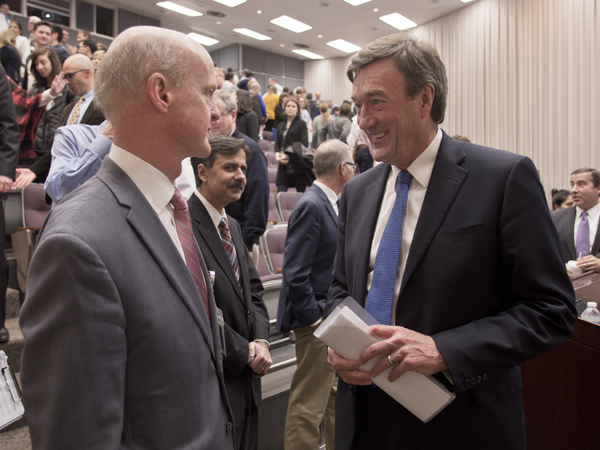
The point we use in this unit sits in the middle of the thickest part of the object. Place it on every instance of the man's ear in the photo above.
(234, 115)
(158, 91)
(202, 172)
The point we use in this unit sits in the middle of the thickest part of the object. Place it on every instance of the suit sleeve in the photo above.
(323, 131)
(301, 246)
(73, 365)
(538, 313)
(256, 202)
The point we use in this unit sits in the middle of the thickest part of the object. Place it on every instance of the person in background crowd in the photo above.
(363, 154)
(234, 78)
(42, 34)
(305, 113)
(87, 47)
(320, 121)
(271, 100)
(9, 55)
(102, 46)
(246, 78)
(246, 121)
(307, 273)
(292, 170)
(55, 43)
(238, 290)
(4, 16)
(561, 199)
(258, 106)
(83, 35)
(579, 227)
(458, 137)
(280, 112)
(338, 127)
(30, 27)
(273, 82)
(22, 43)
(65, 41)
(219, 77)
(228, 84)
(313, 107)
(9, 154)
(97, 58)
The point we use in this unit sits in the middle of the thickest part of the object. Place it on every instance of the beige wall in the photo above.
(523, 78)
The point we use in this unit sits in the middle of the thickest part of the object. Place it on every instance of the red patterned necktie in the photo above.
(229, 247)
(183, 224)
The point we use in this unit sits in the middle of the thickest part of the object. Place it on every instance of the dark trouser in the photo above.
(3, 267)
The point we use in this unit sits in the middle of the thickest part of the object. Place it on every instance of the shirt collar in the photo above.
(88, 97)
(215, 215)
(422, 167)
(592, 212)
(153, 184)
(329, 193)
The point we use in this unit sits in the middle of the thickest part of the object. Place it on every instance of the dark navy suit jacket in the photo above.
(484, 278)
(308, 261)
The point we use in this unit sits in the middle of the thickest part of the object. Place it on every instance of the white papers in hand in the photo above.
(346, 334)
(11, 407)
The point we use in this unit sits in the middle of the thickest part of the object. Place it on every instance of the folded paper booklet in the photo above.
(345, 332)
(11, 407)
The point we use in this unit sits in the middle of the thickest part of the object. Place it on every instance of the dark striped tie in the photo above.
(229, 247)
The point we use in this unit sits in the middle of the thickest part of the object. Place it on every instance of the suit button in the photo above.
(473, 381)
(468, 383)
(229, 427)
(479, 379)
(248, 312)
(485, 376)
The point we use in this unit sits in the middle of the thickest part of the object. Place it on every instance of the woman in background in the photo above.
(22, 43)
(246, 121)
(271, 100)
(318, 123)
(97, 57)
(9, 55)
(561, 199)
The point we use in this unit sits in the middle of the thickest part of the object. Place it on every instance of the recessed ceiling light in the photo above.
(258, 11)
(282, 45)
(291, 24)
(252, 34)
(179, 9)
(375, 9)
(319, 36)
(308, 54)
(231, 3)
(398, 21)
(357, 2)
(204, 40)
(344, 46)
(218, 23)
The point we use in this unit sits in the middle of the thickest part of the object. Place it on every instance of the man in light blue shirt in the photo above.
(77, 153)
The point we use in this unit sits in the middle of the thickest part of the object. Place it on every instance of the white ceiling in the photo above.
(333, 19)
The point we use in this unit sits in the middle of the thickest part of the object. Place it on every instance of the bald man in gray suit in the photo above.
(122, 345)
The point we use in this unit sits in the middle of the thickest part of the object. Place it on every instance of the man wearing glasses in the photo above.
(310, 248)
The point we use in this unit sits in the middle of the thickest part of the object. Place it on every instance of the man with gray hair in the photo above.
(252, 208)
(307, 272)
(117, 282)
(464, 233)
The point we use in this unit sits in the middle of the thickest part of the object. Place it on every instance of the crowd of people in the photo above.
(144, 274)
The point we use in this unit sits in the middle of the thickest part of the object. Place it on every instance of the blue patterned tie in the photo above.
(381, 295)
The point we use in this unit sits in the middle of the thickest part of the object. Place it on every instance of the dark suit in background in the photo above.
(9, 154)
(564, 221)
(246, 318)
(309, 253)
(483, 278)
(252, 209)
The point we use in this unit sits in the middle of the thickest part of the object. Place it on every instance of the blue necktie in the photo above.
(381, 295)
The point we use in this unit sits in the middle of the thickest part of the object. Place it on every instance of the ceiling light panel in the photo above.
(358, 2)
(231, 3)
(291, 24)
(204, 40)
(398, 21)
(252, 34)
(308, 54)
(344, 46)
(179, 9)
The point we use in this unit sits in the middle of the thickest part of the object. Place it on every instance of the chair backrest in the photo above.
(272, 179)
(274, 241)
(35, 208)
(272, 161)
(264, 145)
(264, 272)
(273, 213)
(286, 202)
(267, 135)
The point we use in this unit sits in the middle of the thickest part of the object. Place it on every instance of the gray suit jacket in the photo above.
(564, 221)
(119, 350)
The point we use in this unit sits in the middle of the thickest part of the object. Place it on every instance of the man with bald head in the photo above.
(122, 339)
(78, 71)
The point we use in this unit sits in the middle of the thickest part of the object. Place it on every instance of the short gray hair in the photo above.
(329, 156)
(227, 98)
(417, 60)
(127, 65)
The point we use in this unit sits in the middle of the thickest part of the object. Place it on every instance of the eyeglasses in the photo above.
(69, 76)
(354, 166)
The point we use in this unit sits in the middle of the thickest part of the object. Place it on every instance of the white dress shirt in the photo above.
(215, 215)
(154, 185)
(593, 217)
(331, 196)
(420, 170)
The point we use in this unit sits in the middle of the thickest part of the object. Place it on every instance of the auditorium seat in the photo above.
(273, 213)
(286, 202)
(267, 135)
(264, 145)
(35, 208)
(274, 245)
(272, 161)
(272, 179)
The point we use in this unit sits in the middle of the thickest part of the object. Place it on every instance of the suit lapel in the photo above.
(144, 220)
(367, 214)
(596, 245)
(327, 203)
(202, 221)
(567, 232)
(446, 181)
